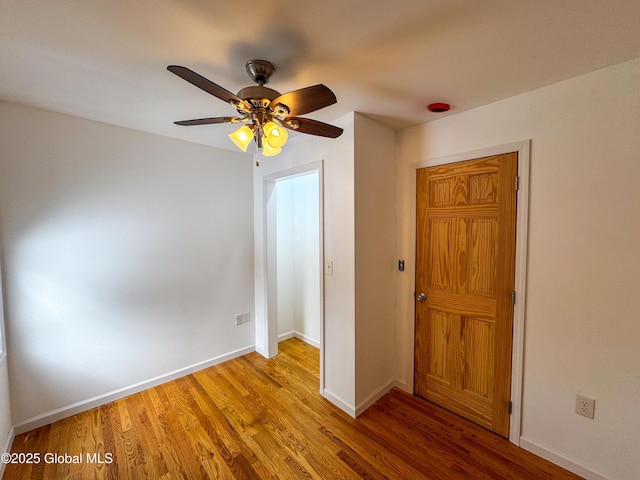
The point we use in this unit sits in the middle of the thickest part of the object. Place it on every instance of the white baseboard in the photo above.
(307, 339)
(362, 406)
(7, 449)
(340, 403)
(562, 461)
(404, 386)
(285, 336)
(60, 413)
(299, 336)
(374, 397)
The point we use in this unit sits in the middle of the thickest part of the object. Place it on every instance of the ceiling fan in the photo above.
(266, 113)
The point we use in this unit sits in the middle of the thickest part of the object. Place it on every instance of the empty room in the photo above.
(329, 240)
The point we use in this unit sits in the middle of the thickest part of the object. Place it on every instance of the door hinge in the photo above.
(517, 182)
(510, 407)
(513, 297)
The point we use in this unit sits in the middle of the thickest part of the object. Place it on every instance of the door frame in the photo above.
(523, 149)
(270, 255)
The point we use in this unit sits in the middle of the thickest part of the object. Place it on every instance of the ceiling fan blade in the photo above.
(314, 127)
(204, 84)
(306, 100)
(208, 121)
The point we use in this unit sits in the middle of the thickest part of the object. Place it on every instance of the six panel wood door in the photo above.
(465, 263)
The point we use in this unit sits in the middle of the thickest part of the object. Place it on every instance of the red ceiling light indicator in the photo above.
(439, 107)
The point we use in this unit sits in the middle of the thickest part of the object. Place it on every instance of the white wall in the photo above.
(581, 328)
(375, 259)
(126, 255)
(298, 253)
(285, 263)
(339, 293)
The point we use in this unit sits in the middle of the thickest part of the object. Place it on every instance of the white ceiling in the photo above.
(106, 60)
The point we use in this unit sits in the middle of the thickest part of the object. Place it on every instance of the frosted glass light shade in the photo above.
(275, 136)
(268, 150)
(242, 137)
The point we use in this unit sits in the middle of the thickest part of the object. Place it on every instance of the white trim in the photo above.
(300, 336)
(293, 172)
(346, 407)
(377, 396)
(307, 339)
(269, 212)
(11, 435)
(561, 460)
(286, 336)
(523, 149)
(520, 285)
(7, 449)
(3, 336)
(402, 385)
(268, 185)
(84, 405)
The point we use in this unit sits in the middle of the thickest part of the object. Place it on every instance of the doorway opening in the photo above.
(294, 255)
(298, 250)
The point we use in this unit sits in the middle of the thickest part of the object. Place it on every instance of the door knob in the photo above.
(421, 297)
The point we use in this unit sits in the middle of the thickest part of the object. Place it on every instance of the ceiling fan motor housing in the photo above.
(255, 92)
(258, 97)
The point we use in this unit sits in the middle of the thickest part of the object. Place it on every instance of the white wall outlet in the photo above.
(242, 318)
(328, 267)
(585, 406)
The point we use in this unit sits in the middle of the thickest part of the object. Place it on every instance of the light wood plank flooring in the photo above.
(253, 418)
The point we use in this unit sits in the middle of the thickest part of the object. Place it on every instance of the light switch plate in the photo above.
(328, 268)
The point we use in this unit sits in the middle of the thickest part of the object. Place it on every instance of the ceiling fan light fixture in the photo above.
(269, 151)
(275, 136)
(242, 137)
(268, 113)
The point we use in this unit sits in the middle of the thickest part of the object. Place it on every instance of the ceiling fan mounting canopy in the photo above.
(265, 108)
(260, 70)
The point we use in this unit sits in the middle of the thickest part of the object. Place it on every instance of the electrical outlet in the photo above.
(242, 318)
(585, 406)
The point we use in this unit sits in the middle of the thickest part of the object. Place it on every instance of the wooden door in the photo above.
(465, 264)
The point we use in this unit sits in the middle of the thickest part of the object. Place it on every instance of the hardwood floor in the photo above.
(253, 418)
